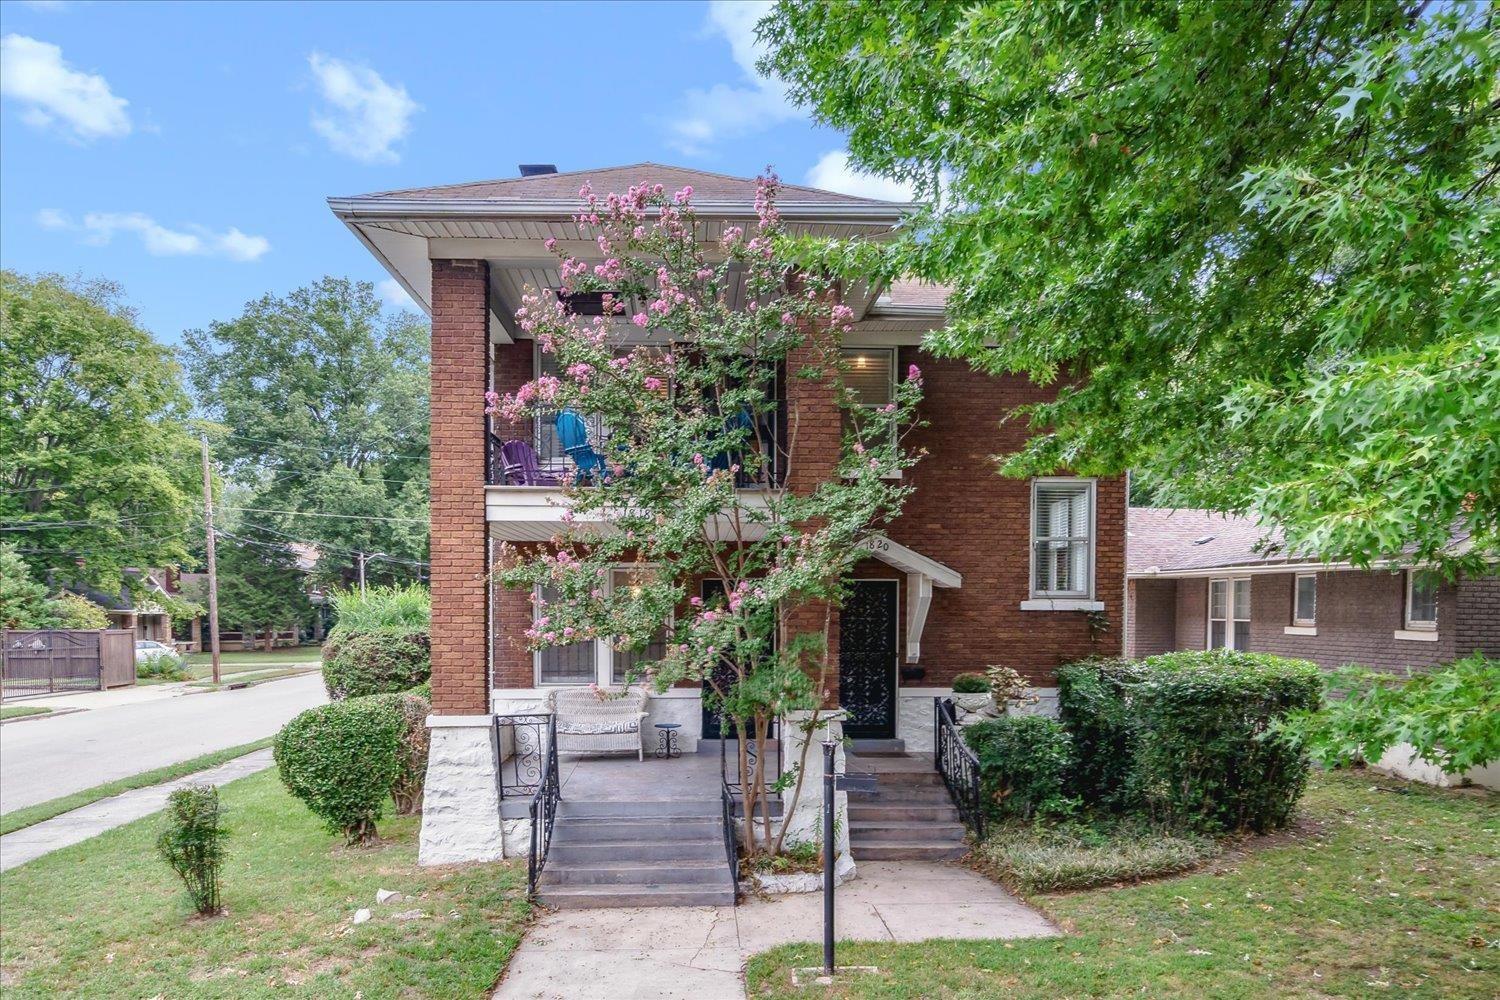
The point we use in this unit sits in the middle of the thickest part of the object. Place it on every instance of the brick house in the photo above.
(1200, 579)
(978, 570)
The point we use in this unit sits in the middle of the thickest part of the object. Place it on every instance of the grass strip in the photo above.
(21, 711)
(19, 819)
(253, 679)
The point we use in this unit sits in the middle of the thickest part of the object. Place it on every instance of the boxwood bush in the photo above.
(379, 661)
(1023, 765)
(342, 760)
(1191, 740)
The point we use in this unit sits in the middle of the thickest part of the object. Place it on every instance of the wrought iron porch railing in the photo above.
(731, 849)
(958, 765)
(526, 748)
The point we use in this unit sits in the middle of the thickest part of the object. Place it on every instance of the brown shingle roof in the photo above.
(707, 187)
(1164, 539)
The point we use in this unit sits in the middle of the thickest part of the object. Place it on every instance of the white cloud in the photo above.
(834, 173)
(725, 110)
(54, 94)
(99, 228)
(364, 115)
(393, 295)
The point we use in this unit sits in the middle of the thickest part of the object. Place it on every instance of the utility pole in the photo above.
(213, 569)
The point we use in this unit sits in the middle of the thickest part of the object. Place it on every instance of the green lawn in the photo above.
(106, 918)
(244, 659)
(21, 711)
(1387, 889)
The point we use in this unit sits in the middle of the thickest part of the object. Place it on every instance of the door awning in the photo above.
(922, 574)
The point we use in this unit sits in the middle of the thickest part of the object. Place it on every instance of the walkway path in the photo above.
(49, 758)
(91, 820)
(698, 953)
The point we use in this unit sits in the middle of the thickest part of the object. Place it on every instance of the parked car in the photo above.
(147, 650)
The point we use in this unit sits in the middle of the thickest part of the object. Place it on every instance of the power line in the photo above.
(308, 513)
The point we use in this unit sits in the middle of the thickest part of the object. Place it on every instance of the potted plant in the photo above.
(971, 694)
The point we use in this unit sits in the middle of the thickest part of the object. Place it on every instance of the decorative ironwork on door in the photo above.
(867, 659)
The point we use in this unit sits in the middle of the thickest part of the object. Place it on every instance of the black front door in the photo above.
(867, 660)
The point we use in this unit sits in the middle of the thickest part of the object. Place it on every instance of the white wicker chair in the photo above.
(586, 725)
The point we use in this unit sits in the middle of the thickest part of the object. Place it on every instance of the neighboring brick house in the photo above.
(1201, 579)
(979, 570)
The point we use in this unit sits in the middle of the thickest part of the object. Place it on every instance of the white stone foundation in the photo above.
(914, 713)
(1402, 762)
(460, 805)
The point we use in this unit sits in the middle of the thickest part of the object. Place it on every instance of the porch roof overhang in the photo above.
(922, 574)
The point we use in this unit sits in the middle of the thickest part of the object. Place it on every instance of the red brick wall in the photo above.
(1152, 618)
(966, 516)
(459, 345)
(1358, 613)
(1478, 609)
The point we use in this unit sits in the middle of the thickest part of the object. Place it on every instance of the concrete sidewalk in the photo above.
(91, 820)
(699, 953)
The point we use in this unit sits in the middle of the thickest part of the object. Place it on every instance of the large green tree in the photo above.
(324, 402)
(1264, 231)
(260, 588)
(98, 469)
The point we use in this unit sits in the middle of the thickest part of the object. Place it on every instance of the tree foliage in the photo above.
(23, 601)
(260, 588)
(325, 403)
(98, 470)
(1266, 232)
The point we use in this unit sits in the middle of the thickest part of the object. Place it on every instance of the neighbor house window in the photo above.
(1062, 538)
(1229, 614)
(870, 376)
(1305, 600)
(1421, 599)
(595, 661)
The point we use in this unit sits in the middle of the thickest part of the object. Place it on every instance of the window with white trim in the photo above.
(1229, 614)
(1305, 599)
(1062, 538)
(1421, 599)
(870, 376)
(595, 661)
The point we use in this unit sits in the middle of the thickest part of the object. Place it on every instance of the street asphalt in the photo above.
(47, 758)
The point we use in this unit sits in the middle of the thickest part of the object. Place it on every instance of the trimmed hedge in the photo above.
(378, 661)
(415, 743)
(342, 759)
(1093, 706)
(1024, 763)
(1191, 740)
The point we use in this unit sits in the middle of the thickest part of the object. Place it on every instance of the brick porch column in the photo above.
(813, 426)
(460, 346)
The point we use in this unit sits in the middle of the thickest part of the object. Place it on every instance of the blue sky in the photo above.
(186, 151)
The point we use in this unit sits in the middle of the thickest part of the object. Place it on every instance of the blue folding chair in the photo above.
(574, 435)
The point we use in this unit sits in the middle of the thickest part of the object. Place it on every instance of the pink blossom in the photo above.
(874, 463)
(653, 383)
(640, 319)
(710, 616)
(568, 632)
(550, 243)
(859, 449)
(696, 602)
(914, 374)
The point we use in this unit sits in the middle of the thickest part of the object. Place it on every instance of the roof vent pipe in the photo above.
(537, 169)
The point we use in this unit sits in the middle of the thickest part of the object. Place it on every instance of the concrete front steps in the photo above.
(908, 817)
(637, 854)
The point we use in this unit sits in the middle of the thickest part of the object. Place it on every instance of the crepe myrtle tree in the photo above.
(696, 446)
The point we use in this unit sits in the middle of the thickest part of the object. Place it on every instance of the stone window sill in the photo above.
(1300, 630)
(1415, 635)
(1061, 604)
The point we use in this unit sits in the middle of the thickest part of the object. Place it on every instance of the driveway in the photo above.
(47, 758)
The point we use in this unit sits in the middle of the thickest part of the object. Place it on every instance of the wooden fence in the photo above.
(45, 661)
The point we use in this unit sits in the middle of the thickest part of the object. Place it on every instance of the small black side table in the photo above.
(666, 740)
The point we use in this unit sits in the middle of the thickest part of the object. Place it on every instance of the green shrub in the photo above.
(1450, 715)
(415, 742)
(192, 843)
(342, 760)
(380, 661)
(400, 609)
(1212, 753)
(75, 611)
(1023, 765)
(971, 684)
(1094, 708)
(423, 691)
(165, 666)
